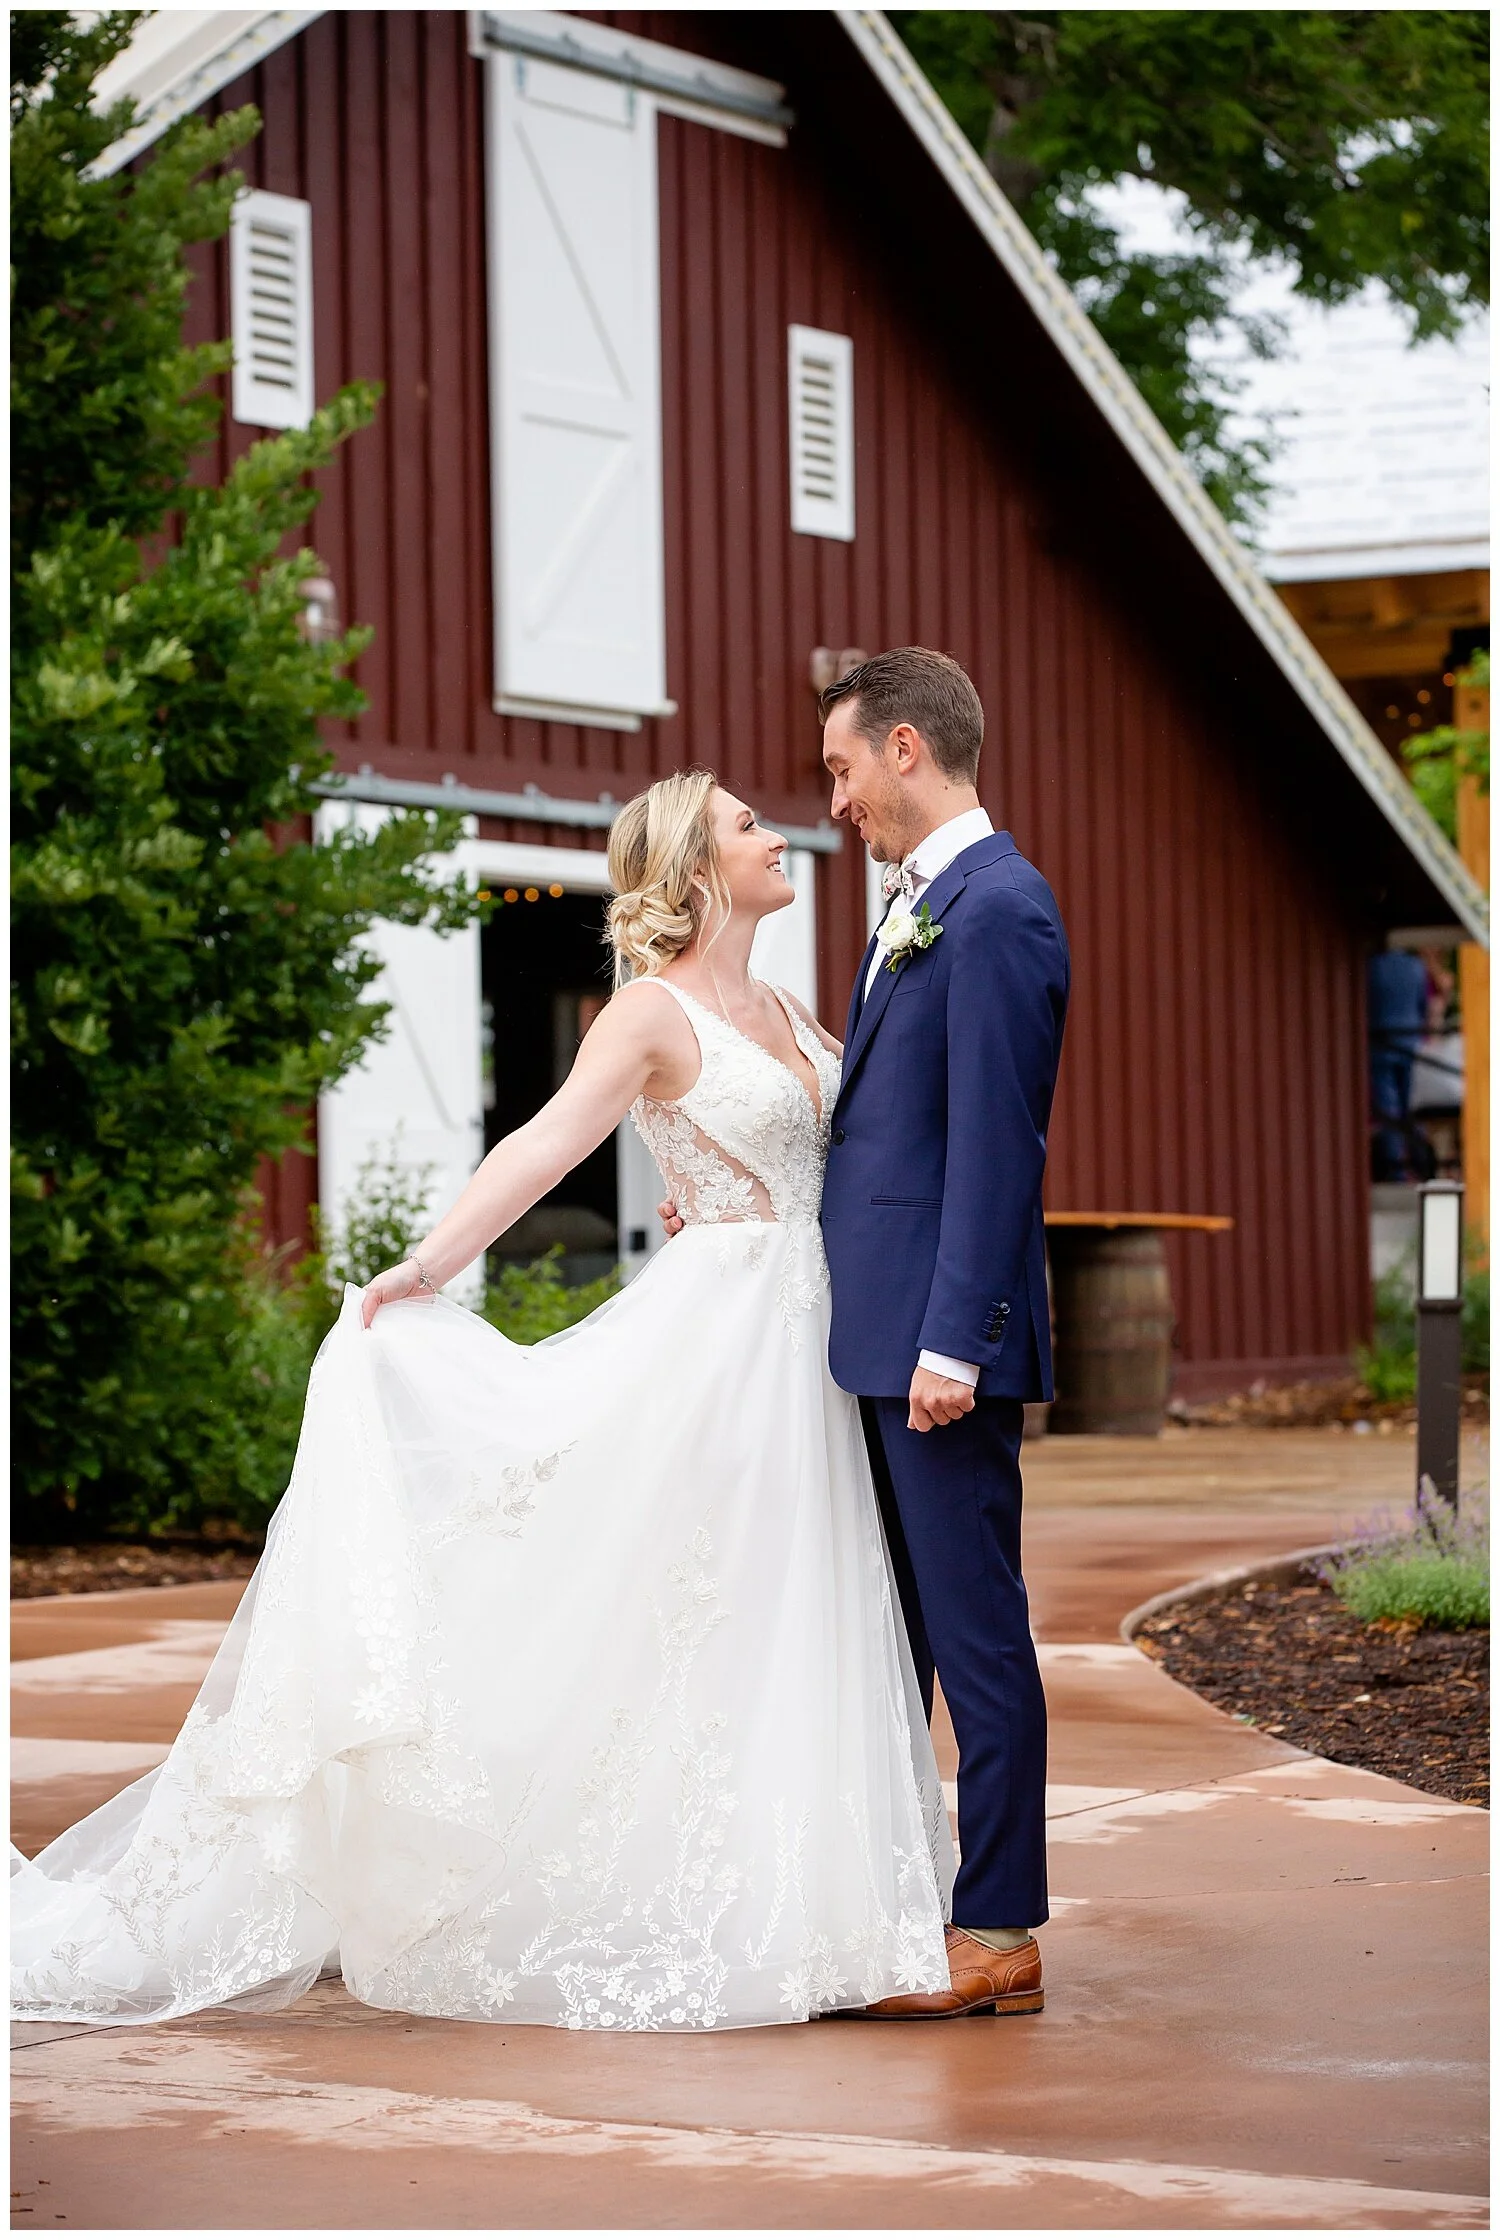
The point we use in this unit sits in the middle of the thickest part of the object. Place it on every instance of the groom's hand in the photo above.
(671, 1219)
(936, 1400)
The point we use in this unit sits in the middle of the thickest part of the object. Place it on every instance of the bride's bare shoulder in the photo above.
(647, 1015)
(645, 1006)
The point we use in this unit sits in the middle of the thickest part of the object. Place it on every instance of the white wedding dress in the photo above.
(569, 1688)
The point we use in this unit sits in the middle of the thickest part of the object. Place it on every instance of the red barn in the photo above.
(710, 352)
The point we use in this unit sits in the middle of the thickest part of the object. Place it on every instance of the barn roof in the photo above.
(1382, 441)
(1111, 389)
(180, 57)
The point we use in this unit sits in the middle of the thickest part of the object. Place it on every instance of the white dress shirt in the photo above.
(928, 859)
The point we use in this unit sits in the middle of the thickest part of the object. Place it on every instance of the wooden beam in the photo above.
(1388, 626)
(1471, 712)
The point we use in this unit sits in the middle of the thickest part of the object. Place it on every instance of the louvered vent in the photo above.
(271, 310)
(820, 373)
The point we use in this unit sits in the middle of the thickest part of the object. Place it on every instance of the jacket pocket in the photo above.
(918, 972)
(886, 1198)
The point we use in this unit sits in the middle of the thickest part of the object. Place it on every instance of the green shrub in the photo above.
(1476, 1322)
(388, 1211)
(1433, 1569)
(526, 1304)
(1388, 1371)
(1388, 1368)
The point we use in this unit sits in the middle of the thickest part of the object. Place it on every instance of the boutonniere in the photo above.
(903, 933)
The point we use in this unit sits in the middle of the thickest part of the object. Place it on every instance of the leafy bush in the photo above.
(1437, 760)
(1388, 1368)
(1433, 1569)
(1388, 1371)
(527, 1304)
(1476, 1322)
(390, 1207)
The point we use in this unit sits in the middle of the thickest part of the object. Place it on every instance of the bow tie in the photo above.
(896, 879)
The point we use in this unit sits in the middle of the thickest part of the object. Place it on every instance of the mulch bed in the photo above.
(1343, 1401)
(106, 1566)
(1294, 1662)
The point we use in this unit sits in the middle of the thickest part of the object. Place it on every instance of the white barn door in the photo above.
(415, 1099)
(575, 353)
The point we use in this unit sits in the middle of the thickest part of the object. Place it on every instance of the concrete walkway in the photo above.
(1264, 1997)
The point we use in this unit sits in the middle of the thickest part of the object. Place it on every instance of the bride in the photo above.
(569, 1688)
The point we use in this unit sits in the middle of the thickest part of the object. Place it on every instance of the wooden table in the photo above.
(1112, 1308)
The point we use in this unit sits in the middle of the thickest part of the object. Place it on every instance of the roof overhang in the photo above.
(1343, 563)
(180, 57)
(1115, 395)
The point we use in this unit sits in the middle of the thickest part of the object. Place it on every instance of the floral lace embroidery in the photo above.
(500, 1511)
(747, 1136)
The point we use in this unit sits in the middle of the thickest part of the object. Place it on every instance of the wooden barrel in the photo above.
(1113, 1303)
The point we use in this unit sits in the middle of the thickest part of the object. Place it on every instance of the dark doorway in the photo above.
(546, 975)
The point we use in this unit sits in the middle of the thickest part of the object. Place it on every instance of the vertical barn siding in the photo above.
(1214, 1060)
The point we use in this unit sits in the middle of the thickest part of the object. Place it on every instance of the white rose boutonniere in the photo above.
(903, 932)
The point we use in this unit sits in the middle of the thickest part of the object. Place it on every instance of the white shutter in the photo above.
(415, 1099)
(820, 381)
(576, 410)
(270, 288)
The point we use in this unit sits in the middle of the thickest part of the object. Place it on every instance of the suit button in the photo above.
(1003, 1310)
(838, 1135)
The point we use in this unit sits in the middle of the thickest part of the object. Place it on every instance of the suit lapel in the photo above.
(940, 896)
(856, 999)
(870, 1014)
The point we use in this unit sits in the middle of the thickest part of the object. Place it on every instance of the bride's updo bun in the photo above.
(664, 868)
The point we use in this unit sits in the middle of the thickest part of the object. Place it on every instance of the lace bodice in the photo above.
(745, 1143)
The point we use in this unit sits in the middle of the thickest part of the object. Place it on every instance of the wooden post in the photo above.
(1471, 712)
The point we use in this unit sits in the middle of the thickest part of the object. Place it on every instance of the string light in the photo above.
(533, 894)
(556, 893)
(512, 895)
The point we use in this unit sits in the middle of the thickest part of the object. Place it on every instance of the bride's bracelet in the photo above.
(424, 1280)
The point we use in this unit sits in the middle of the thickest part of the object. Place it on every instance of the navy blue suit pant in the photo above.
(950, 1500)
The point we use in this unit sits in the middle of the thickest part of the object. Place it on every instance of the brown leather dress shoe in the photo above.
(982, 1981)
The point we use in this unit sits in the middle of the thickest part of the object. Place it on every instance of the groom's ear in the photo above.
(906, 745)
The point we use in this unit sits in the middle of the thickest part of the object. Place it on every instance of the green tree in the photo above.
(1436, 760)
(186, 974)
(1348, 145)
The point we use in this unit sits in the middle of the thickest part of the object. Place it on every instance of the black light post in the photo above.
(1440, 1297)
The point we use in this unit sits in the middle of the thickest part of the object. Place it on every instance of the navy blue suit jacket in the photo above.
(932, 1204)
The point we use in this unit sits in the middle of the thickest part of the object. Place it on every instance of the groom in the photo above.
(932, 1221)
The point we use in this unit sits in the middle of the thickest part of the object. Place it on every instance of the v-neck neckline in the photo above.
(815, 1103)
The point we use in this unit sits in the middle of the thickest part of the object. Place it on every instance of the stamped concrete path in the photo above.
(1265, 2002)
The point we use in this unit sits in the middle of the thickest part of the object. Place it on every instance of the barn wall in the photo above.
(1214, 1060)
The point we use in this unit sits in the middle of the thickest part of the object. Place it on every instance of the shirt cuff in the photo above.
(944, 1365)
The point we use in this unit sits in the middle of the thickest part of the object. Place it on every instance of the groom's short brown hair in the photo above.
(912, 684)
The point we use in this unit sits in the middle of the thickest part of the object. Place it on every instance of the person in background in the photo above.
(1398, 994)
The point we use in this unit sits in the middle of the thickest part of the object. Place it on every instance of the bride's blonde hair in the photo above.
(664, 868)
